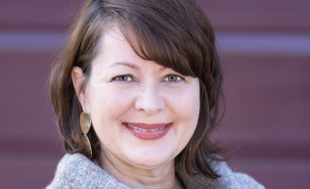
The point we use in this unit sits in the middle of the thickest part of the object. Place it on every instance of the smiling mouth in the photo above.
(146, 130)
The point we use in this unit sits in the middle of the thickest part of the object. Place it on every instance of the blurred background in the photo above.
(265, 51)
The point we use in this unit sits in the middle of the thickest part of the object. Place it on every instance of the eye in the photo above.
(173, 78)
(122, 78)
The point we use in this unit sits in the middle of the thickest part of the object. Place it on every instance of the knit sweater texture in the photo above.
(77, 171)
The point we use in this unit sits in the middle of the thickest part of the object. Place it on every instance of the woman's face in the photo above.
(143, 113)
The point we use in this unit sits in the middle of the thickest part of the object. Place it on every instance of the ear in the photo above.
(78, 78)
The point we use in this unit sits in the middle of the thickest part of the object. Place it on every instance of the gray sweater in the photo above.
(77, 171)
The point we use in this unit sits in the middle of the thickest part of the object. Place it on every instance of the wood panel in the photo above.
(259, 15)
(37, 14)
(264, 47)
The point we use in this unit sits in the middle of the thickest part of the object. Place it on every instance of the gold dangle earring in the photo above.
(85, 123)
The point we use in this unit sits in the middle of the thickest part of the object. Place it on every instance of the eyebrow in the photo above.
(162, 69)
(125, 64)
(131, 65)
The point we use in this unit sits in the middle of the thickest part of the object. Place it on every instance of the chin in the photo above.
(150, 158)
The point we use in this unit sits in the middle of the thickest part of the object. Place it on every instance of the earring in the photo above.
(85, 123)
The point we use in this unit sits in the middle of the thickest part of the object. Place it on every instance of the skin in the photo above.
(124, 88)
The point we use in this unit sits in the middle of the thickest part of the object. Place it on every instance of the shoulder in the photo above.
(77, 171)
(230, 179)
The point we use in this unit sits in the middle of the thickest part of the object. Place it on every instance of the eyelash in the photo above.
(117, 78)
(174, 75)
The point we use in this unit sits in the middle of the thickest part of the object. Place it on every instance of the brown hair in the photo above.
(175, 34)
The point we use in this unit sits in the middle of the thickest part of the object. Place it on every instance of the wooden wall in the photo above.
(265, 52)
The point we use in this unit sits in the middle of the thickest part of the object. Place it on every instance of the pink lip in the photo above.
(148, 135)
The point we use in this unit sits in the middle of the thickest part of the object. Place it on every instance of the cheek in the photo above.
(189, 114)
(185, 107)
(107, 104)
(186, 103)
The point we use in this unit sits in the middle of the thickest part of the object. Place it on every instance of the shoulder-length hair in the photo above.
(175, 34)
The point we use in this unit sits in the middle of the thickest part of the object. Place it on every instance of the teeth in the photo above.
(137, 128)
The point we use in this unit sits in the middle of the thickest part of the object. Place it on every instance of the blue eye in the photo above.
(173, 78)
(123, 78)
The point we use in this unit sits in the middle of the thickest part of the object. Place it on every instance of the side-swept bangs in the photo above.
(168, 37)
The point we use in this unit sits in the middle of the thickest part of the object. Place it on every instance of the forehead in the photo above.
(110, 37)
(113, 44)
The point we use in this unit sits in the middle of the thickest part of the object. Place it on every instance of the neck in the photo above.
(163, 176)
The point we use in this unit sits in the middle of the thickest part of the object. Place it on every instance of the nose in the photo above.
(150, 100)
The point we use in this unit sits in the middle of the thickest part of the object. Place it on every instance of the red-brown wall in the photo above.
(265, 52)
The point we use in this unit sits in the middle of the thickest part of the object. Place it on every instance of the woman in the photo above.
(136, 94)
